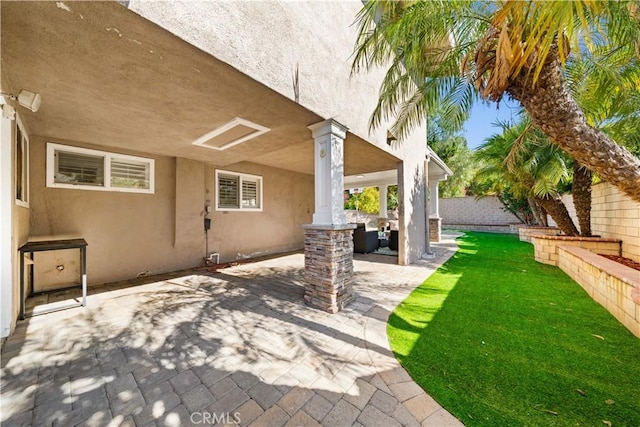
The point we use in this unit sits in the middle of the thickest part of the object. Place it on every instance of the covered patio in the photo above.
(238, 344)
(127, 98)
(437, 170)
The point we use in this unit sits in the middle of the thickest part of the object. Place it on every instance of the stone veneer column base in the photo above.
(434, 229)
(328, 265)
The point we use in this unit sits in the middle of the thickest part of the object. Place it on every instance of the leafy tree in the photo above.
(368, 201)
(514, 48)
(392, 197)
(457, 155)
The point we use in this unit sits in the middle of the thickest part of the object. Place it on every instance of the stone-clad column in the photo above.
(328, 264)
(435, 226)
(329, 138)
(328, 247)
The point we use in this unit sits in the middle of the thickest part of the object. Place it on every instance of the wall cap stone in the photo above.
(622, 272)
(329, 226)
(576, 238)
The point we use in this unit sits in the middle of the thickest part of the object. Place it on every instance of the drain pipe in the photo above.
(213, 255)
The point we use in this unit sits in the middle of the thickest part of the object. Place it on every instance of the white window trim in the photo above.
(241, 176)
(25, 154)
(52, 147)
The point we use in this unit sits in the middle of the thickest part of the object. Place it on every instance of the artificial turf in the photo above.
(501, 340)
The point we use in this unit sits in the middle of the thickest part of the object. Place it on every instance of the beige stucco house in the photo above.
(158, 115)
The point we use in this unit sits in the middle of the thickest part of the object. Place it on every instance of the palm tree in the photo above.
(449, 53)
(522, 156)
(606, 92)
(581, 193)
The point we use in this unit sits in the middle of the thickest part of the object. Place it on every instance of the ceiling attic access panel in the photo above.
(230, 134)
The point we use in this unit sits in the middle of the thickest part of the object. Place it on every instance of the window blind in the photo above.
(228, 189)
(129, 174)
(79, 168)
(250, 194)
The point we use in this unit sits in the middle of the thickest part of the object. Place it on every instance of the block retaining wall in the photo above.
(615, 215)
(471, 211)
(546, 247)
(614, 286)
(526, 232)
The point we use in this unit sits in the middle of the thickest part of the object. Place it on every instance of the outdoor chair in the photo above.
(393, 240)
(364, 241)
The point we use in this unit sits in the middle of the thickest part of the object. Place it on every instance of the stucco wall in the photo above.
(127, 233)
(288, 202)
(271, 41)
(615, 215)
(469, 211)
(131, 233)
(311, 42)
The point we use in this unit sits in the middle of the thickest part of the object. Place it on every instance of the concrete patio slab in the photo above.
(237, 346)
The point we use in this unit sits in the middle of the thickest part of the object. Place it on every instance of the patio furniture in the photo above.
(393, 240)
(364, 241)
(383, 239)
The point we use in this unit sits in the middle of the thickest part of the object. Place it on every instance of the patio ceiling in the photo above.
(111, 78)
(374, 179)
(438, 170)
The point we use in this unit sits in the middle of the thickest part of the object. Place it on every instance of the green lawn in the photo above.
(501, 340)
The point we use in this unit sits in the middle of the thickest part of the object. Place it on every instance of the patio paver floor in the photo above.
(235, 346)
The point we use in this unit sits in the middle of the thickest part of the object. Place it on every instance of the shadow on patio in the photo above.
(236, 346)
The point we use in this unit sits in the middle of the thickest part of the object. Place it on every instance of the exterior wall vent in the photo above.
(232, 133)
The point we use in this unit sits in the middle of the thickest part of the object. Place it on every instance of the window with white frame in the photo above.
(238, 191)
(22, 165)
(82, 168)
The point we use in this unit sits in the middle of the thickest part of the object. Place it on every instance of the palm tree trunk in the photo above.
(544, 216)
(559, 213)
(555, 112)
(581, 193)
(537, 211)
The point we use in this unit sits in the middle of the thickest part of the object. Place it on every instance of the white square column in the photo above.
(434, 210)
(6, 221)
(435, 222)
(382, 214)
(383, 201)
(329, 138)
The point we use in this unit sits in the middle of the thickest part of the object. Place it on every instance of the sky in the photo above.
(483, 115)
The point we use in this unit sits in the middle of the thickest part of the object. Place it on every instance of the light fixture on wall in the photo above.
(27, 99)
